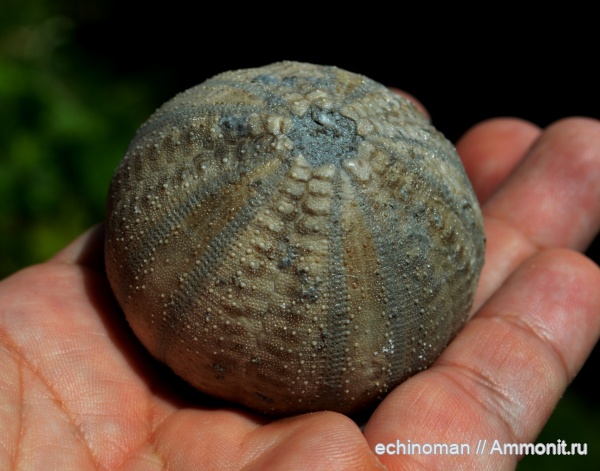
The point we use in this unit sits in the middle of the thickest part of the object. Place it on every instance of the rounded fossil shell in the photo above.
(293, 238)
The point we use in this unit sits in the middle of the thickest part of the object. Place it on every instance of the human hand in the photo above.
(77, 390)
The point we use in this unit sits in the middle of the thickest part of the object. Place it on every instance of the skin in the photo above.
(77, 391)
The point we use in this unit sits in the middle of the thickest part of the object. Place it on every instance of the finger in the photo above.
(504, 373)
(319, 441)
(87, 249)
(553, 197)
(492, 149)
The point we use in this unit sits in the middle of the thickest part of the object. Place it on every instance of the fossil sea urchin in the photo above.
(293, 238)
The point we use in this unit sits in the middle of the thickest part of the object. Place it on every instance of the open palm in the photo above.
(77, 391)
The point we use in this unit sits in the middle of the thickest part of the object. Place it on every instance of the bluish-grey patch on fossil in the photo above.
(290, 254)
(292, 81)
(266, 79)
(310, 294)
(324, 137)
(235, 126)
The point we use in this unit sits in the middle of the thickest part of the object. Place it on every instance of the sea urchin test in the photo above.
(293, 238)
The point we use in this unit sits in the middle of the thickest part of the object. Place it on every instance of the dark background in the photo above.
(77, 79)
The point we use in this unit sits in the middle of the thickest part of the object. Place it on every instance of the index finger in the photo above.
(551, 199)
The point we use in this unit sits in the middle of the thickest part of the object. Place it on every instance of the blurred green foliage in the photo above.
(65, 122)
